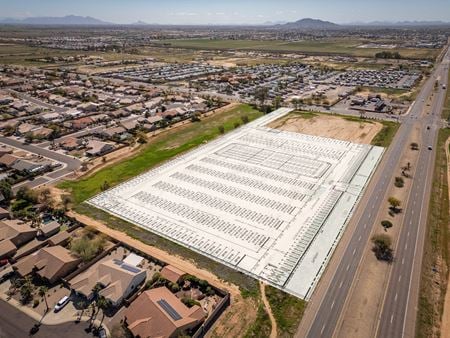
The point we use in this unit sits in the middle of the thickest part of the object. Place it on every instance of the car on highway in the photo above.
(430, 148)
(61, 303)
(428, 127)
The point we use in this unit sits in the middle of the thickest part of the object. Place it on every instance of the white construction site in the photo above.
(272, 204)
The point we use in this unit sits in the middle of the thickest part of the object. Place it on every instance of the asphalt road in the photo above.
(38, 102)
(70, 164)
(333, 300)
(399, 308)
(15, 324)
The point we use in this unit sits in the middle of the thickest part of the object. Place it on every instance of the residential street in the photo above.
(15, 324)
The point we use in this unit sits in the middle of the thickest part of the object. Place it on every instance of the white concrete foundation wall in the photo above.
(270, 203)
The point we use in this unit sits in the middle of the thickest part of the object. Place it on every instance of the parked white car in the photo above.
(61, 303)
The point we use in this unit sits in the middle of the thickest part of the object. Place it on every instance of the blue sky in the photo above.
(231, 11)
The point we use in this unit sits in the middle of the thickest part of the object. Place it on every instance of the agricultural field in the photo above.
(336, 46)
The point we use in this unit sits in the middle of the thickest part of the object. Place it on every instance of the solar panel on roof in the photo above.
(169, 309)
(130, 268)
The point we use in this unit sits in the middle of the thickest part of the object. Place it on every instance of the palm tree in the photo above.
(95, 296)
(43, 293)
(103, 304)
(36, 221)
(82, 304)
(26, 290)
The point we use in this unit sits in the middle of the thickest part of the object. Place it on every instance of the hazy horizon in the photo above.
(232, 11)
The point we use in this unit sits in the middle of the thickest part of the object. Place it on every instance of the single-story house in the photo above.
(159, 313)
(8, 160)
(114, 132)
(30, 167)
(50, 263)
(16, 231)
(117, 279)
(98, 148)
(82, 122)
(70, 143)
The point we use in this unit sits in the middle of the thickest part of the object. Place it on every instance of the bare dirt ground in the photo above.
(273, 322)
(329, 126)
(445, 326)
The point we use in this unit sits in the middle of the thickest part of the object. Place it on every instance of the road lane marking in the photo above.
(323, 328)
(399, 278)
(403, 261)
(396, 295)
(392, 318)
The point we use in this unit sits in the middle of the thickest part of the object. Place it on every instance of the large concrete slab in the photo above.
(269, 203)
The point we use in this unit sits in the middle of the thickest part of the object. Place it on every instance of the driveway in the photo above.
(14, 323)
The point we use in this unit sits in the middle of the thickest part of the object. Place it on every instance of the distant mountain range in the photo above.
(305, 24)
(309, 23)
(69, 20)
(401, 23)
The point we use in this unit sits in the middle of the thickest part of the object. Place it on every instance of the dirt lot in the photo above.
(328, 126)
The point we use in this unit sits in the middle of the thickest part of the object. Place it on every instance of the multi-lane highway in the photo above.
(328, 303)
(398, 312)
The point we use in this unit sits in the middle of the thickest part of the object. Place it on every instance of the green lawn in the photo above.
(334, 46)
(162, 148)
(386, 135)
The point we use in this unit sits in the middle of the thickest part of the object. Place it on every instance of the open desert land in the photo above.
(336, 127)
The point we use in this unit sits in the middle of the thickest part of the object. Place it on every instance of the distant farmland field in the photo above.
(339, 46)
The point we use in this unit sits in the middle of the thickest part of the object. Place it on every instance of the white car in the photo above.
(62, 302)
